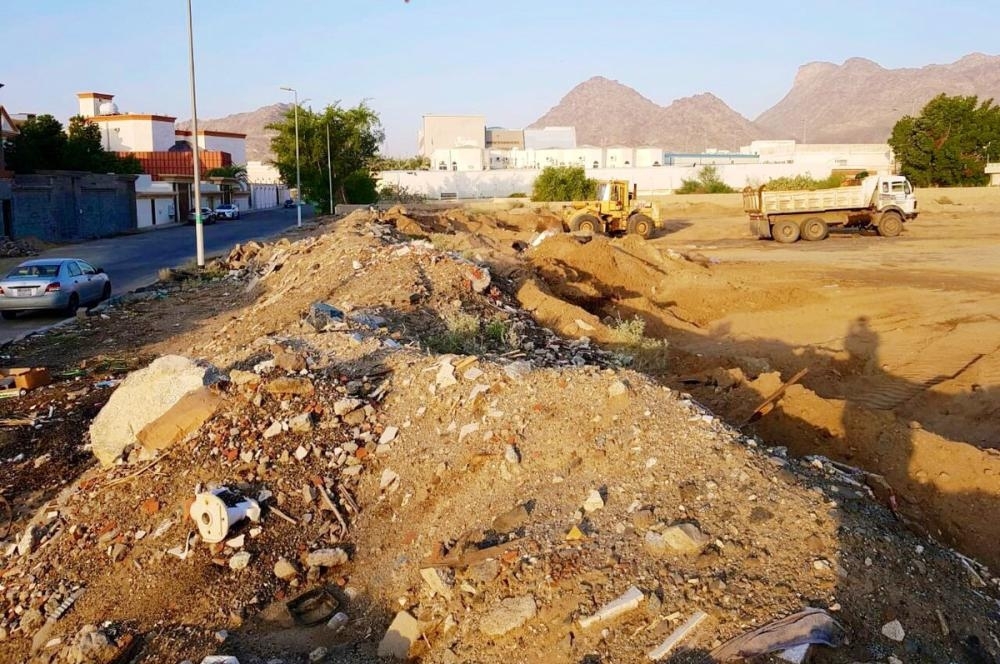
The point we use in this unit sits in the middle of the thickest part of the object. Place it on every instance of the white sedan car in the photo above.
(227, 211)
(63, 284)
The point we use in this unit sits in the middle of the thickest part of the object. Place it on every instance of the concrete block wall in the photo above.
(61, 206)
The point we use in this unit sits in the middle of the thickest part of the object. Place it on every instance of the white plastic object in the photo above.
(216, 512)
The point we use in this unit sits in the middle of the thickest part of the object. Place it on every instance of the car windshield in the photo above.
(34, 271)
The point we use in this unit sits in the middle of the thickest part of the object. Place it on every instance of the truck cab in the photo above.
(894, 192)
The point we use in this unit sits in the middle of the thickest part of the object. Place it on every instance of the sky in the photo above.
(511, 61)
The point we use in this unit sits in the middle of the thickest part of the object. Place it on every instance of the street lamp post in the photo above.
(329, 165)
(199, 230)
(298, 170)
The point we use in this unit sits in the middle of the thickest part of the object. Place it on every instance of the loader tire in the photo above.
(815, 229)
(587, 224)
(641, 225)
(785, 231)
(891, 224)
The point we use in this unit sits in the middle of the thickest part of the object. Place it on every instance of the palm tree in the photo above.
(235, 171)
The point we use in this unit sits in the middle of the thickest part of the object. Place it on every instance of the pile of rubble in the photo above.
(322, 487)
(10, 248)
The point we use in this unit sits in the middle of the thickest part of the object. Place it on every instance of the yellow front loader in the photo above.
(615, 210)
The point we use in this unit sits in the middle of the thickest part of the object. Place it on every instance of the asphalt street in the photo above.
(133, 261)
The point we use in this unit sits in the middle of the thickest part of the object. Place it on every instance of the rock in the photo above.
(297, 386)
(516, 371)
(584, 326)
(437, 585)
(90, 645)
(273, 430)
(389, 481)
(285, 570)
(894, 631)
(239, 561)
(344, 406)
(28, 541)
(593, 502)
(479, 278)
(401, 635)
(445, 375)
(301, 453)
(302, 423)
(221, 636)
(288, 360)
(326, 558)
(682, 538)
(318, 654)
(143, 397)
(511, 614)
(617, 389)
(511, 519)
(388, 435)
(243, 378)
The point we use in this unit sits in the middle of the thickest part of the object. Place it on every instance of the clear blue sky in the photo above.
(510, 61)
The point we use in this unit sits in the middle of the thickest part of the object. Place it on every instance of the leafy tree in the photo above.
(949, 143)
(39, 145)
(235, 171)
(355, 136)
(707, 182)
(563, 183)
(360, 187)
(42, 145)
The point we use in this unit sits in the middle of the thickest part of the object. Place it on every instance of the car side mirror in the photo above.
(100, 270)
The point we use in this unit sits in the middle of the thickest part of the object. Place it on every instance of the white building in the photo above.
(446, 132)
(872, 157)
(550, 137)
(993, 170)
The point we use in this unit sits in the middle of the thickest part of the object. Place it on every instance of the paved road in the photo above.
(134, 260)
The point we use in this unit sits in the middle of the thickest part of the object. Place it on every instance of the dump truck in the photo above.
(880, 202)
(616, 209)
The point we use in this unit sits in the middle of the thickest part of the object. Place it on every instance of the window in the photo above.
(87, 268)
(897, 188)
(36, 271)
(73, 269)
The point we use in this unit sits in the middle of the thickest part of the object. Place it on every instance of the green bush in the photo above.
(359, 188)
(517, 194)
(563, 183)
(708, 182)
(804, 183)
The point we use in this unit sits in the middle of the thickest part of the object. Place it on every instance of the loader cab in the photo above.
(613, 194)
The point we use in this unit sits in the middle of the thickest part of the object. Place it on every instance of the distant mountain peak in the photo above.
(251, 123)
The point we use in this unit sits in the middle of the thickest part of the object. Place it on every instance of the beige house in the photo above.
(993, 170)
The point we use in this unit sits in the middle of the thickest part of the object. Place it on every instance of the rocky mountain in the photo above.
(856, 102)
(606, 112)
(252, 124)
(869, 98)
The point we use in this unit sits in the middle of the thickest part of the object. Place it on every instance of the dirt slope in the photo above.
(495, 432)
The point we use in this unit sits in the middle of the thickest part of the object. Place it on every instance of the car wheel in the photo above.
(8, 315)
(73, 304)
(106, 292)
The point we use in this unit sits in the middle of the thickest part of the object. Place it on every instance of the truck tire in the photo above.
(641, 225)
(891, 224)
(585, 223)
(814, 229)
(785, 231)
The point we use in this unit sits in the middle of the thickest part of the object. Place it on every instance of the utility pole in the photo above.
(298, 169)
(199, 230)
(329, 165)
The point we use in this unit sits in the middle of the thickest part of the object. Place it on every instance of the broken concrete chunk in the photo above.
(288, 360)
(181, 420)
(593, 502)
(323, 316)
(285, 570)
(273, 430)
(239, 561)
(437, 585)
(388, 435)
(894, 631)
(682, 538)
(142, 398)
(617, 389)
(302, 423)
(241, 378)
(344, 406)
(510, 614)
(400, 637)
(676, 637)
(445, 375)
(326, 558)
(629, 601)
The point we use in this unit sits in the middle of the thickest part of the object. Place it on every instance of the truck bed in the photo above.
(821, 200)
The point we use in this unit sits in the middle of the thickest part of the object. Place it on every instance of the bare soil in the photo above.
(898, 337)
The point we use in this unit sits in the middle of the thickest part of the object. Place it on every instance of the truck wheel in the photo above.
(585, 223)
(641, 225)
(785, 231)
(890, 225)
(815, 229)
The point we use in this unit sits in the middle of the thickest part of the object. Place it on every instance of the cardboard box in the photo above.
(25, 378)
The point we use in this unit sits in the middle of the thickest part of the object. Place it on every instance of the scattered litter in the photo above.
(216, 512)
(629, 601)
(809, 626)
(312, 607)
(678, 635)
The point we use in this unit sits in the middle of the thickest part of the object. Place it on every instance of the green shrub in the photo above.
(359, 188)
(563, 183)
(517, 194)
(707, 182)
(804, 183)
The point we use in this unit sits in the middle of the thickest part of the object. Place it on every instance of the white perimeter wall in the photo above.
(651, 181)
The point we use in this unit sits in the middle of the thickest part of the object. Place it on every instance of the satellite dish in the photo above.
(108, 108)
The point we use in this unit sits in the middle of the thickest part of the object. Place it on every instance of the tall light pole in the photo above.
(298, 169)
(329, 165)
(199, 230)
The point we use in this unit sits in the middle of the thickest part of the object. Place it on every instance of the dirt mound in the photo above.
(495, 482)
